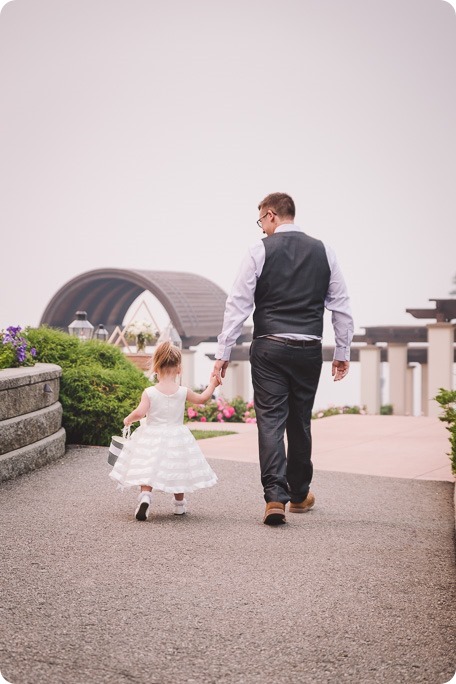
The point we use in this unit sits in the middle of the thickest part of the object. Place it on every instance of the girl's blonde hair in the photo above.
(166, 357)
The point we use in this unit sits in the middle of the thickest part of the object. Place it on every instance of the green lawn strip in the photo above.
(205, 434)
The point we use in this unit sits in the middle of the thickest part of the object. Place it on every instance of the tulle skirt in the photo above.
(167, 458)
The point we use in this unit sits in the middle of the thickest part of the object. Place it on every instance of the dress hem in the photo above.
(160, 487)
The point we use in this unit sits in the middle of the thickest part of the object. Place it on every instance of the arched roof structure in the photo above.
(194, 304)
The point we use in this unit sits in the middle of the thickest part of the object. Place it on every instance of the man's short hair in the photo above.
(280, 203)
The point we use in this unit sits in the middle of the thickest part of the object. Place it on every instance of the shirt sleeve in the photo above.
(240, 302)
(338, 302)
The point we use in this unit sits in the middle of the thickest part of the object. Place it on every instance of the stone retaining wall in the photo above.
(31, 432)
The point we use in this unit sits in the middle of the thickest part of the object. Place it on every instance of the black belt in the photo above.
(293, 343)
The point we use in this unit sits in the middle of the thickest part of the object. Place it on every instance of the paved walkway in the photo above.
(392, 446)
(359, 590)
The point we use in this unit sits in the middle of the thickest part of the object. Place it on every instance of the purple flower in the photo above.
(19, 344)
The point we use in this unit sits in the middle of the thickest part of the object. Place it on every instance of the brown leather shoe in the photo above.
(304, 506)
(274, 513)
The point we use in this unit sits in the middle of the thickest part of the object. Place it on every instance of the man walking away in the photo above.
(288, 278)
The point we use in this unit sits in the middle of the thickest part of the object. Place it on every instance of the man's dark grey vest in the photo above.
(291, 290)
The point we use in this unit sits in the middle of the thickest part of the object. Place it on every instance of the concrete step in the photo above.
(33, 456)
(24, 390)
(22, 430)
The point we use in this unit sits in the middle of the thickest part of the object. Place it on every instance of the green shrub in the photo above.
(99, 385)
(386, 410)
(53, 344)
(447, 400)
(7, 357)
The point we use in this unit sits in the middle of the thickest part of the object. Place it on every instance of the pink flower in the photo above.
(220, 417)
(203, 419)
(250, 405)
(250, 420)
(191, 413)
(228, 412)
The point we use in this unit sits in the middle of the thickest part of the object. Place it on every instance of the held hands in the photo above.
(219, 370)
(340, 369)
(215, 381)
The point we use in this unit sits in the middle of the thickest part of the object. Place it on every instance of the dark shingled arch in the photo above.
(194, 304)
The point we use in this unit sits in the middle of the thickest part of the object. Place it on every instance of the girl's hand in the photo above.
(127, 422)
(216, 380)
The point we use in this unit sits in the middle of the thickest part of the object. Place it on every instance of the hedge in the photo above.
(99, 385)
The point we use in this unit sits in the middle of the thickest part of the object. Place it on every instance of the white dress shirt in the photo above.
(241, 301)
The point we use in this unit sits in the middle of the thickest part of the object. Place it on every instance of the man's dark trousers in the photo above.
(285, 380)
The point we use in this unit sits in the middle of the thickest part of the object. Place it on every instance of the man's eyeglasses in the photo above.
(262, 217)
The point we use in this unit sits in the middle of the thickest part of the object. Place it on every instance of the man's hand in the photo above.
(340, 369)
(220, 369)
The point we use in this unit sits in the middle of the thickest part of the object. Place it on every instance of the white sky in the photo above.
(143, 134)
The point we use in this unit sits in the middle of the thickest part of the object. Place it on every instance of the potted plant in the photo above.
(141, 333)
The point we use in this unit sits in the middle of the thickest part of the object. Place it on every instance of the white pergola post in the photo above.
(243, 381)
(228, 389)
(440, 362)
(409, 387)
(188, 368)
(369, 357)
(397, 360)
(237, 382)
(424, 390)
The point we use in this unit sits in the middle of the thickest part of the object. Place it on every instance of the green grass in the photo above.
(205, 434)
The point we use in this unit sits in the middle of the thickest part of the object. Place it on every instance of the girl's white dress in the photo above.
(162, 452)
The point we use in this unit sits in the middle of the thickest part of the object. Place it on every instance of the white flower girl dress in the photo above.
(162, 452)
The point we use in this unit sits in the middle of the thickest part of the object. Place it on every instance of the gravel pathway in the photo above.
(359, 590)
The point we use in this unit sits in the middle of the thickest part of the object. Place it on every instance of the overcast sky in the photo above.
(143, 134)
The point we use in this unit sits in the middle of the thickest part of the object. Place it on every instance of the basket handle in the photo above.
(126, 431)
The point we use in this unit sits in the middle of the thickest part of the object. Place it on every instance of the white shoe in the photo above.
(142, 510)
(180, 507)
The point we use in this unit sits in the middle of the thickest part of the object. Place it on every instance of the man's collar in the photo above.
(284, 227)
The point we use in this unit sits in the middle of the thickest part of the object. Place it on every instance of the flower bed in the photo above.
(338, 410)
(239, 411)
(221, 411)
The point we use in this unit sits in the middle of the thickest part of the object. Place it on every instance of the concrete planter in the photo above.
(31, 432)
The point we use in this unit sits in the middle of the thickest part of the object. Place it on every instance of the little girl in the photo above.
(162, 453)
